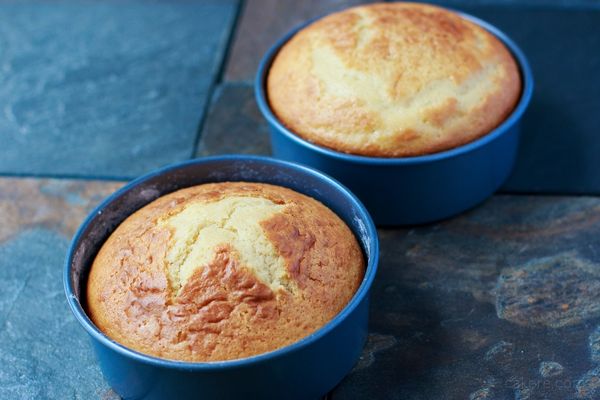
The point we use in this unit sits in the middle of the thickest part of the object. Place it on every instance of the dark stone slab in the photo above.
(549, 369)
(234, 124)
(105, 88)
(263, 22)
(594, 342)
(442, 328)
(560, 4)
(525, 297)
(588, 387)
(560, 145)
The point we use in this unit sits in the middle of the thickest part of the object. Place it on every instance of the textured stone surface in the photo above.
(105, 88)
(434, 327)
(501, 353)
(263, 22)
(561, 4)
(43, 350)
(559, 145)
(54, 204)
(375, 344)
(234, 124)
(549, 369)
(487, 391)
(555, 291)
(434, 302)
(588, 387)
(594, 342)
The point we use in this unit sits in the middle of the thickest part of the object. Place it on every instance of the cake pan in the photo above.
(307, 369)
(410, 190)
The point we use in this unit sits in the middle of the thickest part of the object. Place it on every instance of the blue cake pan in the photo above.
(410, 190)
(307, 369)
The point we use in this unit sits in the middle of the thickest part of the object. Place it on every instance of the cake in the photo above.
(393, 80)
(223, 271)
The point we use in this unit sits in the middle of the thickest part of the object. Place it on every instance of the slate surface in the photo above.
(44, 352)
(500, 303)
(262, 22)
(105, 88)
(234, 124)
(560, 144)
(54, 204)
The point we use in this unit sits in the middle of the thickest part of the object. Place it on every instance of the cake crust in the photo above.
(223, 271)
(393, 80)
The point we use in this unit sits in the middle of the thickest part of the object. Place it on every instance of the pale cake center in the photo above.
(200, 228)
(371, 92)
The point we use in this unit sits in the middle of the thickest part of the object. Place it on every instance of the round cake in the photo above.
(223, 271)
(393, 80)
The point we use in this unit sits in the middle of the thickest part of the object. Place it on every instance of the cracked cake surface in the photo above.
(393, 80)
(223, 271)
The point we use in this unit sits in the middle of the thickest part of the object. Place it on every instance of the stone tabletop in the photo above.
(501, 302)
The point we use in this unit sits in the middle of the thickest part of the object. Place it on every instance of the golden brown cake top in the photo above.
(223, 271)
(393, 80)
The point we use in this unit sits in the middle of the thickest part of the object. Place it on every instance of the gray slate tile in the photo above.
(105, 89)
(234, 124)
(44, 352)
(263, 22)
(470, 308)
(56, 204)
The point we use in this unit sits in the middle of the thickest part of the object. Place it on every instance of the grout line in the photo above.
(229, 45)
(218, 75)
(115, 178)
(106, 178)
(567, 5)
(545, 194)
